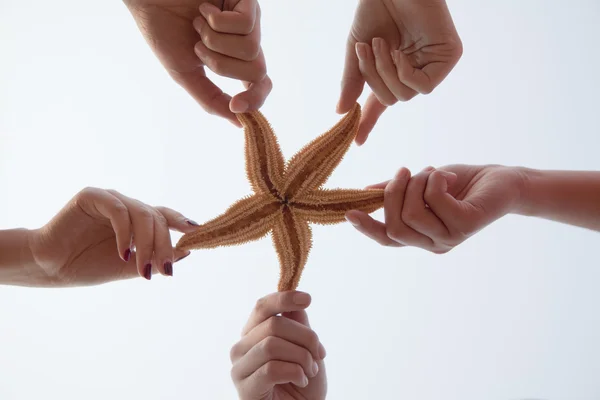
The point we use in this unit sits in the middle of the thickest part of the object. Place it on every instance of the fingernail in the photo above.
(301, 299)
(127, 255)
(169, 268)
(361, 52)
(205, 8)
(182, 257)
(315, 369)
(396, 57)
(376, 45)
(242, 106)
(192, 223)
(402, 174)
(429, 169)
(148, 271)
(304, 381)
(353, 220)
(322, 352)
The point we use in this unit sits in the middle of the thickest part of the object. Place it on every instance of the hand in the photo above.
(438, 209)
(187, 35)
(279, 357)
(414, 47)
(91, 240)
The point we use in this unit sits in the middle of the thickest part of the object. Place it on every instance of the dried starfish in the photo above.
(287, 197)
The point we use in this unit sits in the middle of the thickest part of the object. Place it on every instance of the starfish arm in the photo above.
(325, 206)
(292, 239)
(264, 160)
(246, 220)
(312, 166)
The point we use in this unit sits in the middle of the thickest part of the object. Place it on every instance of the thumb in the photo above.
(451, 211)
(352, 79)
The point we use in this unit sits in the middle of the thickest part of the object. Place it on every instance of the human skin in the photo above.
(438, 209)
(189, 35)
(98, 237)
(400, 48)
(279, 356)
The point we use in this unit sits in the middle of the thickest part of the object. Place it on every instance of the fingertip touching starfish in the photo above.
(287, 197)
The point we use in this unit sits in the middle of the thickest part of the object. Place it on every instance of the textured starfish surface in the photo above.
(287, 197)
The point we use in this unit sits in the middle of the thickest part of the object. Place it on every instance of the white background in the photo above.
(512, 313)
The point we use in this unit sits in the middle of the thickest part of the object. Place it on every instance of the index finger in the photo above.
(208, 95)
(370, 115)
(353, 81)
(274, 304)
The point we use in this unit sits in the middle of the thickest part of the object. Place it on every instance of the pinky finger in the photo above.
(274, 373)
(371, 228)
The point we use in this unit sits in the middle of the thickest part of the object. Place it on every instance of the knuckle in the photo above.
(395, 233)
(271, 369)
(261, 304)
(160, 219)
(87, 193)
(120, 208)
(269, 346)
(427, 89)
(208, 40)
(145, 214)
(234, 351)
(252, 50)
(272, 326)
(410, 215)
(313, 340)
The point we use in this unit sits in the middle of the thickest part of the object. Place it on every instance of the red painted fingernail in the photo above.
(192, 223)
(181, 258)
(148, 271)
(169, 268)
(127, 255)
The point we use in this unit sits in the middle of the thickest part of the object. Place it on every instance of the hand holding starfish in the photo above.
(287, 197)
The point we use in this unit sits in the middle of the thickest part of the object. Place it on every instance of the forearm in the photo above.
(571, 197)
(17, 266)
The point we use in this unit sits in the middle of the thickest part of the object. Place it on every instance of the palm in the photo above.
(167, 26)
(78, 248)
(484, 190)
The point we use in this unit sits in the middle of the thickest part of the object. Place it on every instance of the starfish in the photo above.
(287, 197)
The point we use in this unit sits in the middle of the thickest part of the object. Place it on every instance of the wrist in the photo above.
(17, 263)
(525, 184)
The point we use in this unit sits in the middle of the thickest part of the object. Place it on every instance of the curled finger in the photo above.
(254, 96)
(240, 21)
(366, 63)
(245, 48)
(397, 230)
(273, 373)
(251, 71)
(274, 348)
(387, 71)
(417, 215)
(142, 220)
(104, 204)
(274, 304)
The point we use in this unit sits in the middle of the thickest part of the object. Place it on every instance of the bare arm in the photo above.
(570, 197)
